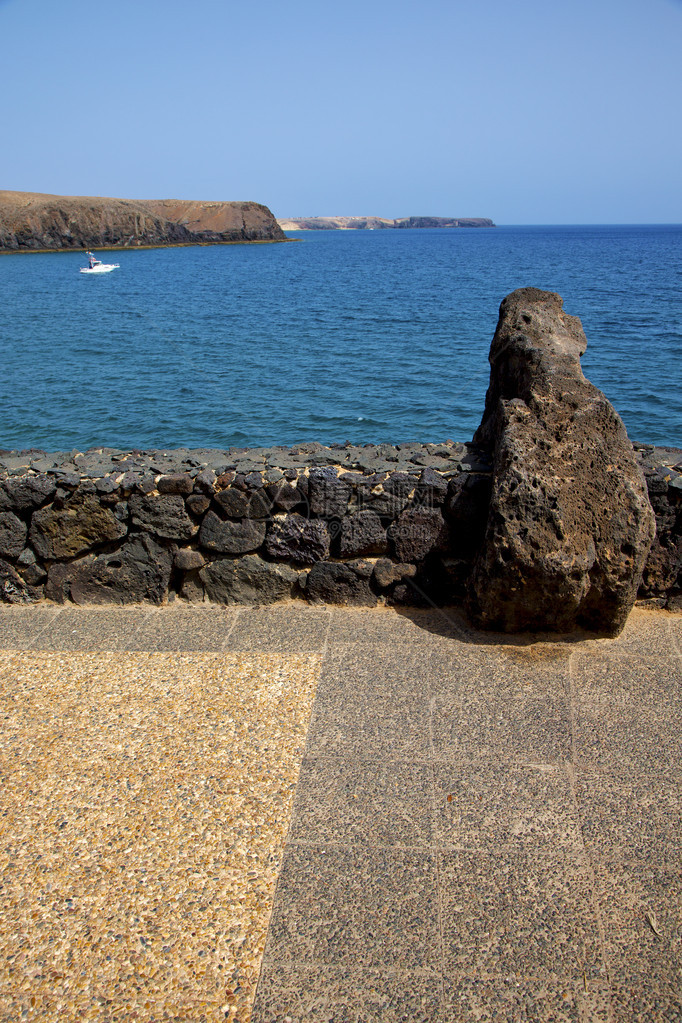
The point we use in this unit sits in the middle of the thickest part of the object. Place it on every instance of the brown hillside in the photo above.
(34, 220)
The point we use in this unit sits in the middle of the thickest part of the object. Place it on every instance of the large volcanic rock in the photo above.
(569, 523)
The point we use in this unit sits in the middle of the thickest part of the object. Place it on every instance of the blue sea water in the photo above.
(365, 336)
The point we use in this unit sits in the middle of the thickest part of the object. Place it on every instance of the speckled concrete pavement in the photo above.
(482, 829)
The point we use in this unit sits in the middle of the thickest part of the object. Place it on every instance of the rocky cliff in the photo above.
(378, 223)
(32, 221)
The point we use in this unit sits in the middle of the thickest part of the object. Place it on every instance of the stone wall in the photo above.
(401, 524)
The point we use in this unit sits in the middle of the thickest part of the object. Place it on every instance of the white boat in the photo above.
(96, 266)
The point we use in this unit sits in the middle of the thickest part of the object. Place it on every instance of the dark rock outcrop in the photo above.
(33, 220)
(569, 524)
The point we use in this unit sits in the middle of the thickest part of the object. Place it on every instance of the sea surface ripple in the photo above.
(364, 336)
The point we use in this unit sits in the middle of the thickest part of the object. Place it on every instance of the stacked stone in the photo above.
(342, 524)
(662, 577)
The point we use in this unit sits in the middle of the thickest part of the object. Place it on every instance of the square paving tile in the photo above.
(491, 806)
(627, 713)
(359, 669)
(279, 630)
(632, 817)
(386, 625)
(303, 993)
(346, 908)
(20, 626)
(80, 628)
(368, 803)
(522, 911)
(511, 999)
(527, 721)
(183, 628)
(361, 727)
(641, 906)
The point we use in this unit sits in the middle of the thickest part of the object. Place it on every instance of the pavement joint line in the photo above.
(235, 619)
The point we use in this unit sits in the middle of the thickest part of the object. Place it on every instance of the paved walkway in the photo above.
(429, 824)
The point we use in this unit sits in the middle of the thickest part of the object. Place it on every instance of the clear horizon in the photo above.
(530, 114)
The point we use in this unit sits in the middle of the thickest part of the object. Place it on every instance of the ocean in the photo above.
(366, 336)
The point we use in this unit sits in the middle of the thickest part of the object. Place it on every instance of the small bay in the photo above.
(365, 336)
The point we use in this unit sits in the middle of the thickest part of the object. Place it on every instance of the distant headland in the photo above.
(34, 221)
(378, 223)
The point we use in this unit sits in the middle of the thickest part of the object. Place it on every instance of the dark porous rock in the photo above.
(204, 481)
(327, 494)
(391, 497)
(259, 505)
(248, 580)
(362, 567)
(230, 537)
(187, 559)
(81, 524)
(34, 575)
(24, 493)
(177, 483)
(662, 574)
(285, 496)
(139, 570)
(431, 490)
(106, 485)
(14, 589)
(333, 583)
(362, 534)
(12, 535)
(418, 532)
(163, 515)
(569, 525)
(386, 572)
(198, 504)
(234, 503)
(295, 538)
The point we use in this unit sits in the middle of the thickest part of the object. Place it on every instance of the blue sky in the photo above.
(527, 112)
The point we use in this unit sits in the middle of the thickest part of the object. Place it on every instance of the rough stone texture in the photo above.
(293, 537)
(328, 495)
(662, 575)
(234, 503)
(65, 532)
(139, 570)
(187, 559)
(228, 537)
(569, 524)
(177, 483)
(12, 535)
(362, 534)
(14, 589)
(418, 532)
(25, 493)
(248, 580)
(333, 583)
(386, 485)
(386, 572)
(163, 515)
(285, 495)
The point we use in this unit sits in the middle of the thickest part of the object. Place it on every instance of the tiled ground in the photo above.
(483, 829)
